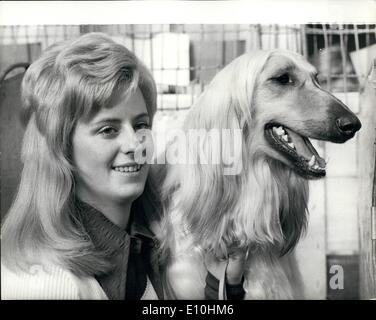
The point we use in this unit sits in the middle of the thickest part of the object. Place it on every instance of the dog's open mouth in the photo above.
(297, 149)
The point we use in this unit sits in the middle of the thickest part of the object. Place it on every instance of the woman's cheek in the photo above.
(145, 150)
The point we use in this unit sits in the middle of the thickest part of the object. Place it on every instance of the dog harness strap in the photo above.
(222, 282)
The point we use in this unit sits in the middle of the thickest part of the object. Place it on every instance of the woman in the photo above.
(83, 223)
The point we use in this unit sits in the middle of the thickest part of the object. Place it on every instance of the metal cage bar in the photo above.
(306, 39)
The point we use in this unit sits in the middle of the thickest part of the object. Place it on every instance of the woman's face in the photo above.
(104, 149)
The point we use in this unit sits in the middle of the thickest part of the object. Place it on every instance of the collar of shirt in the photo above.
(105, 234)
(122, 246)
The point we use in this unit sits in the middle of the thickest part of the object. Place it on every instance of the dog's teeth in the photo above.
(279, 130)
(285, 137)
(312, 161)
(291, 144)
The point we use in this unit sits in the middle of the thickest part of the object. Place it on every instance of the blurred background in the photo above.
(183, 59)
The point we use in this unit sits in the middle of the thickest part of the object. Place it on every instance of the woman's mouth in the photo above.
(134, 168)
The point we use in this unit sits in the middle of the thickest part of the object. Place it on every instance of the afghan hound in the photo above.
(275, 100)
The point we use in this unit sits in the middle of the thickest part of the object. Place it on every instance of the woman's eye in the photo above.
(142, 125)
(283, 79)
(107, 131)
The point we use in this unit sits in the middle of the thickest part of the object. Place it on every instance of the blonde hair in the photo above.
(71, 80)
(263, 206)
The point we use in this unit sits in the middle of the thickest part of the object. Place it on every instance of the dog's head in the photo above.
(275, 99)
(290, 107)
(280, 105)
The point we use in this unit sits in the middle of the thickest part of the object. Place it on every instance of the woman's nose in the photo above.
(128, 140)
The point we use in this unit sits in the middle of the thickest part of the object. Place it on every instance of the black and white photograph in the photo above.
(178, 157)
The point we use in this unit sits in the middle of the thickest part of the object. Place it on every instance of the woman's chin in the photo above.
(129, 193)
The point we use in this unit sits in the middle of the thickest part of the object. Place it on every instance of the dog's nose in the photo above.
(348, 125)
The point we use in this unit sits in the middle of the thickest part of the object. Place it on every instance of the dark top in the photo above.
(134, 255)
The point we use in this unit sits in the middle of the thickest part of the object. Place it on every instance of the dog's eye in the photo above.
(283, 79)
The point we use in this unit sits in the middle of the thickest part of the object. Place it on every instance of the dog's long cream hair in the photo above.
(263, 208)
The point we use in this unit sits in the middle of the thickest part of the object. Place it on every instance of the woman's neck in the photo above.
(117, 212)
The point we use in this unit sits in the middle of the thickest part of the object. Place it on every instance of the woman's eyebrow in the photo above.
(141, 115)
(107, 120)
(118, 120)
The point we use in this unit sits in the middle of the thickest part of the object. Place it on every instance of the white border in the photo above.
(207, 12)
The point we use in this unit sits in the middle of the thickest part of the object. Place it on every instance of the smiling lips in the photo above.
(128, 168)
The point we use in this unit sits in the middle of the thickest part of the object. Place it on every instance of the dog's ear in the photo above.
(293, 213)
(207, 196)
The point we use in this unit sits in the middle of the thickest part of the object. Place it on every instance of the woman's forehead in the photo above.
(123, 105)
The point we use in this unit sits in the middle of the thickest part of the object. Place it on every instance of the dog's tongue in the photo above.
(304, 147)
